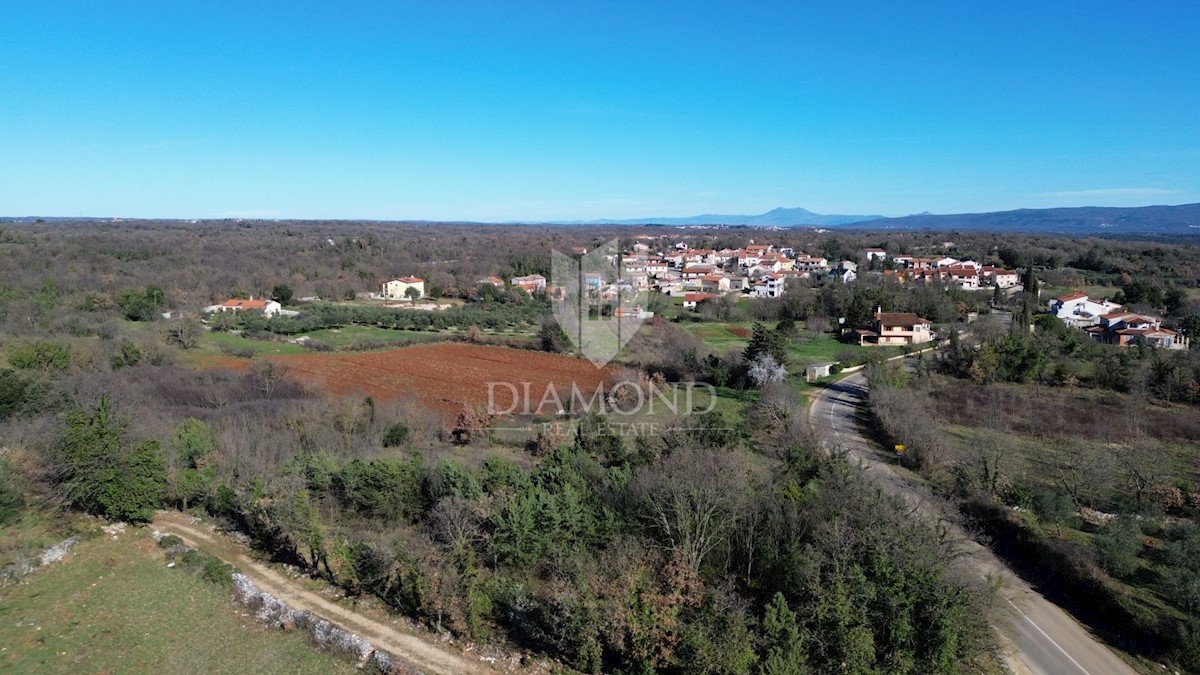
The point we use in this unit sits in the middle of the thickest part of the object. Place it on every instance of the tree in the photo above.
(781, 640)
(193, 442)
(766, 341)
(140, 305)
(764, 370)
(282, 294)
(690, 501)
(1054, 507)
(412, 293)
(185, 333)
(17, 393)
(102, 474)
(1117, 546)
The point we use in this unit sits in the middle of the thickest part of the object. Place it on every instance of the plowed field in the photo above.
(443, 375)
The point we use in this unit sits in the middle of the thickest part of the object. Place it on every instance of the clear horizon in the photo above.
(537, 111)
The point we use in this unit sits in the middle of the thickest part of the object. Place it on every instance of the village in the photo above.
(694, 276)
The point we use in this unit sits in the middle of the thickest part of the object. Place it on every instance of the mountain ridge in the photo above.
(778, 217)
(1109, 220)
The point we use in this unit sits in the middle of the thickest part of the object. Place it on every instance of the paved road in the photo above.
(1044, 639)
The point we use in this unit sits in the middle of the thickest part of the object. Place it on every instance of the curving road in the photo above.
(1043, 639)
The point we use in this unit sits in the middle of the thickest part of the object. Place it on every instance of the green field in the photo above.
(1093, 292)
(346, 337)
(114, 606)
(233, 341)
(806, 348)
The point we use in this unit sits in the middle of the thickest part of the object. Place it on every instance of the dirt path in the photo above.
(418, 651)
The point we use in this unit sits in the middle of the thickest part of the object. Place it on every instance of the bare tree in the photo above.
(691, 501)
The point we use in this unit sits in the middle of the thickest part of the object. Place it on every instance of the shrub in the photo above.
(1117, 547)
(12, 502)
(170, 541)
(17, 393)
(41, 355)
(396, 435)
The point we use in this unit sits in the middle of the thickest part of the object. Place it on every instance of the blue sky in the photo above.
(556, 110)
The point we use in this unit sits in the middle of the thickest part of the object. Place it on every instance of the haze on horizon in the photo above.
(562, 111)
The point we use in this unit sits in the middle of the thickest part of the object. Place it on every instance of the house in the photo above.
(965, 277)
(398, 288)
(1076, 309)
(491, 281)
(999, 277)
(945, 261)
(747, 259)
(690, 300)
(875, 254)
(809, 263)
(714, 284)
(530, 283)
(895, 328)
(267, 308)
(697, 272)
(1126, 328)
(918, 263)
(632, 313)
(771, 285)
(593, 281)
(845, 272)
(654, 266)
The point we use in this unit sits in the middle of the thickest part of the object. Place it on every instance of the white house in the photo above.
(964, 276)
(398, 288)
(999, 277)
(875, 254)
(845, 272)
(530, 283)
(692, 299)
(1077, 310)
(267, 308)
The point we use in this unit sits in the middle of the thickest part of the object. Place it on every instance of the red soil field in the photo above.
(738, 331)
(443, 376)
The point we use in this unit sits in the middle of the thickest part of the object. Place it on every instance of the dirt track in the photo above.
(420, 652)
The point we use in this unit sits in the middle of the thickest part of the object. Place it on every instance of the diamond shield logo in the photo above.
(596, 304)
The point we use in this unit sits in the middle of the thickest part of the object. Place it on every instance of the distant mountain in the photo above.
(1098, 220)
(779, 217)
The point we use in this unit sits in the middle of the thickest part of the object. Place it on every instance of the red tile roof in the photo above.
(899, 319)
(245, 304)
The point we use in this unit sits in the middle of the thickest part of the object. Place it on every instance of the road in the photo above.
(1043, 639)
(418, 651)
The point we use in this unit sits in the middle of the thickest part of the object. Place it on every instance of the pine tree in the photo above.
(781, 637)
(103, 476)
